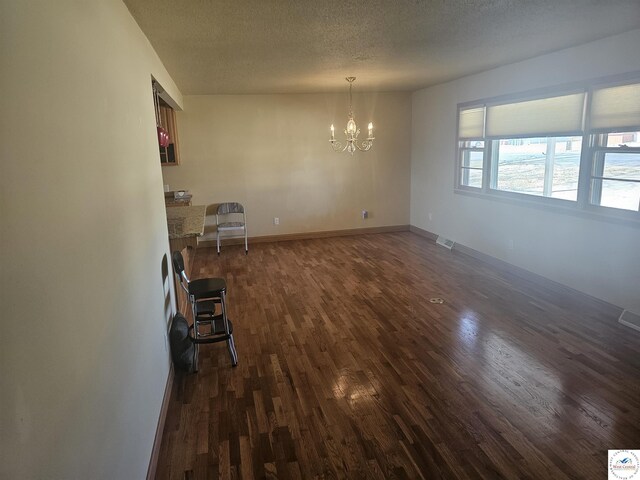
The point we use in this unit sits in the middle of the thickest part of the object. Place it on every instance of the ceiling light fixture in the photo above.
(352, 131)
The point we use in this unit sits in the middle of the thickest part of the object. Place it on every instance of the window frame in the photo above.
(457, 175)
(598, 153)
(461, 167)
(582, 206)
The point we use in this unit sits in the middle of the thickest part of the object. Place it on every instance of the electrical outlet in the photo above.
(276, 220)
(365, 214)
(430, 216)
(510, 244)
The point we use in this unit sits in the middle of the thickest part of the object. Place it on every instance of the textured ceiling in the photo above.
(278, 46)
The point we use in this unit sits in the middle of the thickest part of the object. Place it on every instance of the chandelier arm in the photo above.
(337, 146)
(366, 145)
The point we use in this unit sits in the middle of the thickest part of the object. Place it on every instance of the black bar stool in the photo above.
(204, 295)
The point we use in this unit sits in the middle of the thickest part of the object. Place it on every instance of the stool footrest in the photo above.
(218, 334)
(207, 307)
(206, 317)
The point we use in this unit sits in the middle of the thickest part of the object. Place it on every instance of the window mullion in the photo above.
(486, 165)
(586, 155)
(464, 161)
(493, 165)
(550, 157)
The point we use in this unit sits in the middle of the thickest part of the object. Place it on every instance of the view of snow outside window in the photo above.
(547, 166)
(618, 168)
(472, 165)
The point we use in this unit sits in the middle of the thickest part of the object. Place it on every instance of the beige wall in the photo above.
(83, 301)
(597, 257)
(271, 153)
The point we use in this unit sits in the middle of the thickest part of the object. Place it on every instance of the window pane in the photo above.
(471, 178)
(472, 159)
(630, 139)
(615, 194)
(566, 168)
(622, 165)
(546, 166)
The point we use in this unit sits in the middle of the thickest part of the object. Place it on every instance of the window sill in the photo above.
(555, 205)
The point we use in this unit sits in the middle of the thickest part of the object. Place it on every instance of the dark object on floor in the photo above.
(181, 344)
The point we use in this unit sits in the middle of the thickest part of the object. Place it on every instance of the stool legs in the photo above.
(232, 351)
(196, 332)
(230, 343)
(196, 346)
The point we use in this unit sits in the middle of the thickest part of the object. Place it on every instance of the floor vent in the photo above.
(630, 319)
(445, 242)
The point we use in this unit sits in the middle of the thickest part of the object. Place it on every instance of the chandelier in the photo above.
(352, 131)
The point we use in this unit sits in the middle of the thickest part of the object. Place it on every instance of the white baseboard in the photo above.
(155, 452)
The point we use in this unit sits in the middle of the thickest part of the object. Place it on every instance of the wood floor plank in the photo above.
(347, 370)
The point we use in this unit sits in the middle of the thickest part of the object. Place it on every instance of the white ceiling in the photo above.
(279, 46)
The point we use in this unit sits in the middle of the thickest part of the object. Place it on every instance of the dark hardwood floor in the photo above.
(346, 370)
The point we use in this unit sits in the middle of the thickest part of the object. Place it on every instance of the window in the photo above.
(578, 148)
(615, 176)
(471, 163)
(471, 146)
(542, 166)
(615, 126)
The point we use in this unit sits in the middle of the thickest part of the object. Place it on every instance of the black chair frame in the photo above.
(204, 296)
